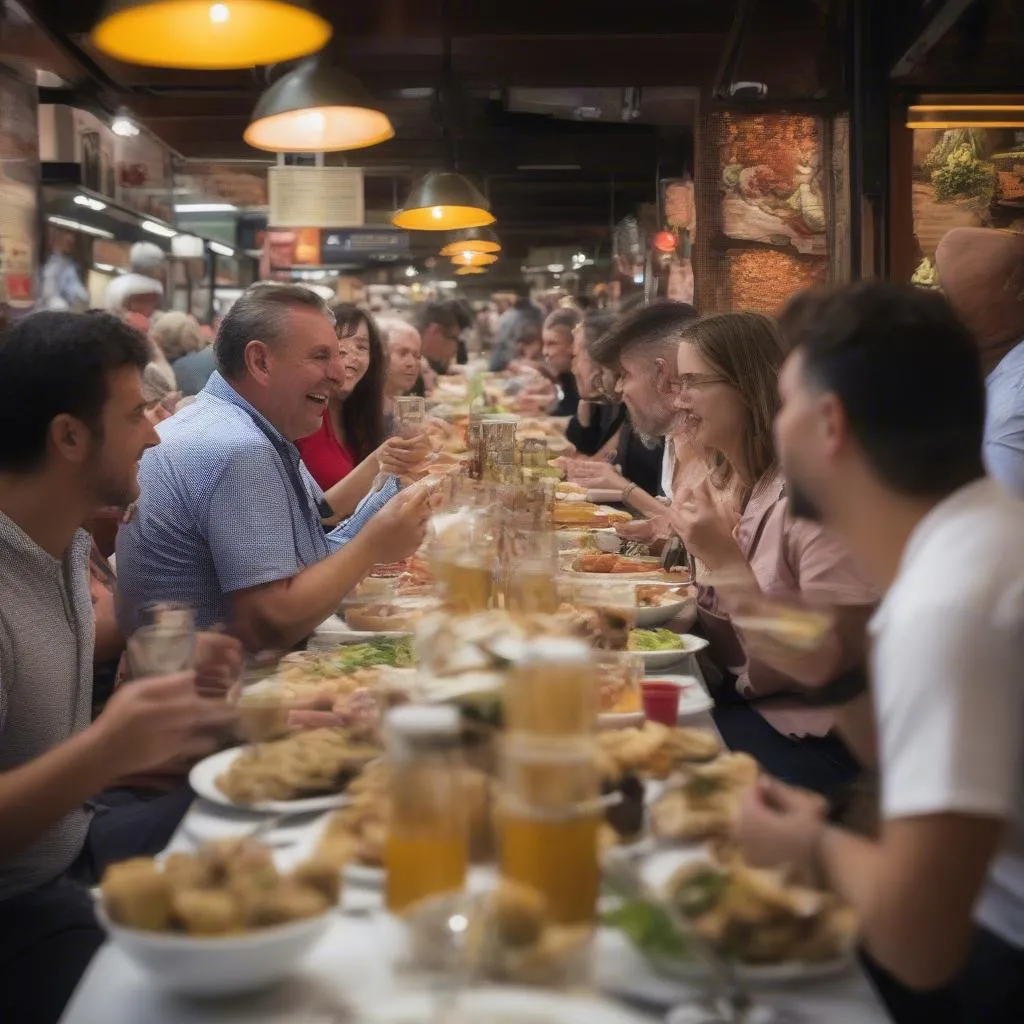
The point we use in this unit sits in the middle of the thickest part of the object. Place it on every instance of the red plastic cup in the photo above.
(661, 700)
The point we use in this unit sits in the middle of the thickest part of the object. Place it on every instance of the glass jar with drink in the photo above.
(427, 851)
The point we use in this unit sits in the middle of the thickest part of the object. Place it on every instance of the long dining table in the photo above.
(357, 964)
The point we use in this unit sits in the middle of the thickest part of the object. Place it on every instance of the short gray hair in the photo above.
(394, 327)
(176, 333)
(261, 313)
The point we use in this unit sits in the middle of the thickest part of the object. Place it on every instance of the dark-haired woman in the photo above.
(350, 449)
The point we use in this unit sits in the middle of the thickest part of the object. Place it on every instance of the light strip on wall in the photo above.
(75, 225)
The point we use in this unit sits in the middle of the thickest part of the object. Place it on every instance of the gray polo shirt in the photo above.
(47, 635)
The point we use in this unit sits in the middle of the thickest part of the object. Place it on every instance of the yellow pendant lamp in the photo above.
(317, 108)
(221, 35)
(474, 259)
(462, 271)
(472, 240)
(443, 201)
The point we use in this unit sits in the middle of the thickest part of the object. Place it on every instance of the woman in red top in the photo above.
(353, 425)
(350, 449)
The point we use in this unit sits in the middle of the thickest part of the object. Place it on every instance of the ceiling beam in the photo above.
(942, 16)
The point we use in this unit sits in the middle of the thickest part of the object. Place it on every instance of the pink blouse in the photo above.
(787, 556)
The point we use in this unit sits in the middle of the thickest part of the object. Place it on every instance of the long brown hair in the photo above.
(748, 351)
(362, 412)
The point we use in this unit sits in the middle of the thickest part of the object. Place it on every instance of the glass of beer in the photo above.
(531, 570)
(463, 554)
(549, 690)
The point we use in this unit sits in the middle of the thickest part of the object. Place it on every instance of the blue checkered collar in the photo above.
(218, 387)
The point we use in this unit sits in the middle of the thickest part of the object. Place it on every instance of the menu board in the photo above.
(19, 184)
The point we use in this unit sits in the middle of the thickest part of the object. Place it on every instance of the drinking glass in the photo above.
(549, 690)
(531, 570)
(164, 642)
(410, 416)
(548, 818)
(463, 554)
(617, 677)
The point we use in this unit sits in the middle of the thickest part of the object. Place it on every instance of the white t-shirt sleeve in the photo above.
(950, 709)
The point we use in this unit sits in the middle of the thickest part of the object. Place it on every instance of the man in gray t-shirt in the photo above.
(72, 429)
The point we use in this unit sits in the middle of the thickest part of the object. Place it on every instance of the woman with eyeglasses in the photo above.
(775, 697)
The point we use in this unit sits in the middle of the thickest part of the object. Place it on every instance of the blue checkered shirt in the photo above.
(225, 504)
(365, 511)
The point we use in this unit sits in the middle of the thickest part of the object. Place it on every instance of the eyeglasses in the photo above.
(686, 382)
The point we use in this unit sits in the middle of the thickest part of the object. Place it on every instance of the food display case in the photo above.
(773, 208)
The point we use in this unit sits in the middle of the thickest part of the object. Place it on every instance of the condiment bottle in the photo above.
(427, 849)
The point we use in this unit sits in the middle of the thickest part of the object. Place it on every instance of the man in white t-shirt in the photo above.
(880, 436)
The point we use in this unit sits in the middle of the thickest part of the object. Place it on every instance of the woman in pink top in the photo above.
(771, 702)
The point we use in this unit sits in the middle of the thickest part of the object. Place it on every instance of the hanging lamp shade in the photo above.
(317, 108)
(472, 240)
(474, 259)
(212, 34)
(462, 271)
(443, 201)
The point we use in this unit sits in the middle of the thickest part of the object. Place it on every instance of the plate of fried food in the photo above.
(647, 604)
(220, 921)
(654, 751)
(301, 773)
(702, 800)
(771, 928)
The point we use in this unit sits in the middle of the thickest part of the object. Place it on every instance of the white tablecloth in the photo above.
(355, 961)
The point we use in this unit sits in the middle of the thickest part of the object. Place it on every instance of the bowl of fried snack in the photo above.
(220, 921)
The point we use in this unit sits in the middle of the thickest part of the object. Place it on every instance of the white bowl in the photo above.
(685, 610)
(225, 966)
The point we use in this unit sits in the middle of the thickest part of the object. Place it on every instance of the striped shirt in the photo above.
(364, 512)
(225, 504)
(47, 636)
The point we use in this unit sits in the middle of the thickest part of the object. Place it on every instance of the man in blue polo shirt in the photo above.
(229, 519)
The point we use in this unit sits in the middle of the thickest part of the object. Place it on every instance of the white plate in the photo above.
(654, 660)
(203, 780)
(657, 868)
(621, 720)
(500, 1005)
(336, 631)
(623, 971)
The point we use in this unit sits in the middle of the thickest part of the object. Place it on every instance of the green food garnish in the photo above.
(649, 928)
(700, 892)
(655, 640)
(384, 651)
(699, 786)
